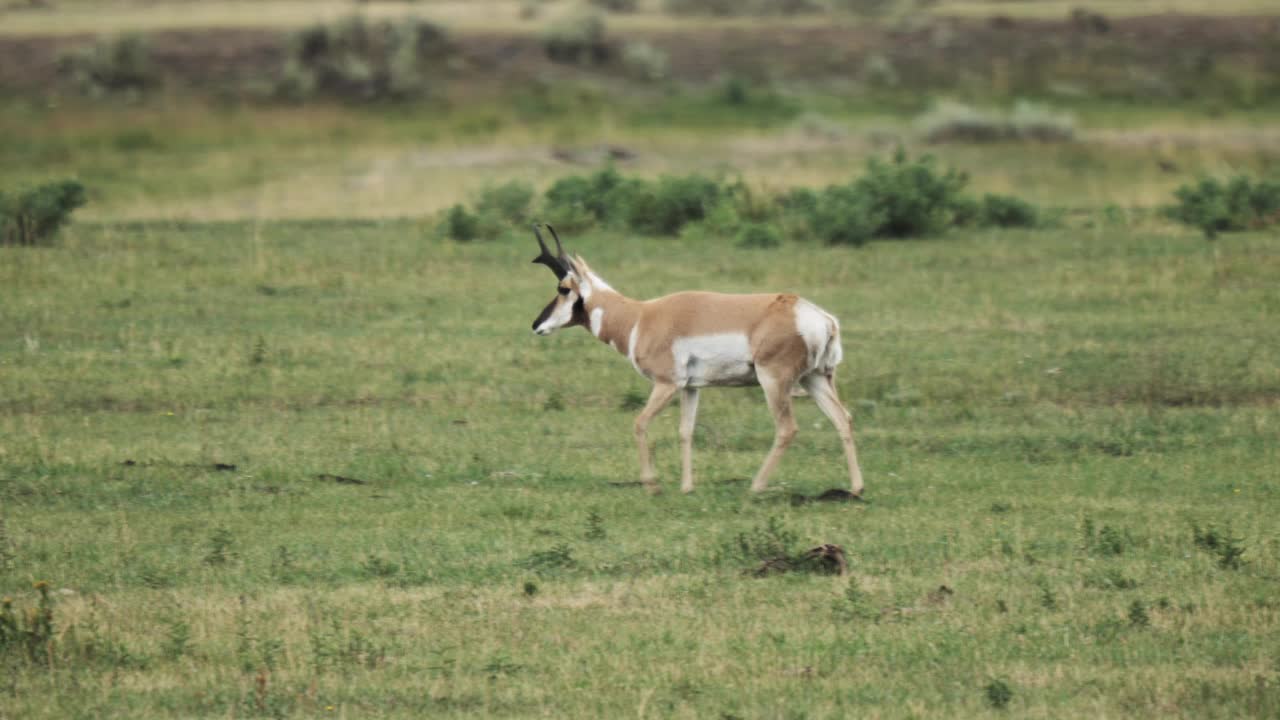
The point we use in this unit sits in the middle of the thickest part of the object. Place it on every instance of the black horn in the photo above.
(559, 265)
(564, 259)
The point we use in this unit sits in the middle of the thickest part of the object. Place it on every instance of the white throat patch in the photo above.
(597, 321)
(556, 320)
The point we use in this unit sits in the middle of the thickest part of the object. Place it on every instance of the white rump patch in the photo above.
(721, 359)
(597, 321)
(821, 334)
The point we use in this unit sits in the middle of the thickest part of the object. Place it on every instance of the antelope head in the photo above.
(566, 309)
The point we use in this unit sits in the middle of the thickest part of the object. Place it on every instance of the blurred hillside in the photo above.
(1023, 49)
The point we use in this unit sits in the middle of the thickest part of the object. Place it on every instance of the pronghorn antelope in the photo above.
(690, 340)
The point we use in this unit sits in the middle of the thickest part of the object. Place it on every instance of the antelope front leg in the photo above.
(688, 419)
(658, 399)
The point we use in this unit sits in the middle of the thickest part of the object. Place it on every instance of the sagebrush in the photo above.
(357, 59)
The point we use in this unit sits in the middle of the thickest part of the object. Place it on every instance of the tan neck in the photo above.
(619, 315)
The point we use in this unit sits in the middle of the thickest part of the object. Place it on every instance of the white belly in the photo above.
(723, 359)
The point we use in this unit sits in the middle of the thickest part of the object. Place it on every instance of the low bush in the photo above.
(913, 196)
(660, 207)
(1238, 204)
(461, 225)
(841, 215)
(666, 205)
(1007, 211)
(111, 66)
(900, 198)
(645, 62)
(583, 201)
(508, 201)
(578, 39)
(355, 59)
(957, 122)
(34, 216)
(759, 235)
(1038, 122)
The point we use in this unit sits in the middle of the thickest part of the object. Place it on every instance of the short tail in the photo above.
(832, 353)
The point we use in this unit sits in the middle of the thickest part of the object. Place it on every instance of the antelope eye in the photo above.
(562, 290)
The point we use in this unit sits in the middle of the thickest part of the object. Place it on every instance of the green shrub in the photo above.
(913, 196)
(461, 225)
(578, 39)
(665, 206)
(735, 91)
(1238, 204)
(1007, 211)
(33, 217)
(660, 207)
(748, 203)
(759, 235)
(595, 198)
(842, 215)
(355, 59)
(509, 201)
(895, 199)
(798, 200)
(998, 693)
(113, 65)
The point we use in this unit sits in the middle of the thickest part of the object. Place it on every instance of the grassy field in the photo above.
(1044, 418)
(270, 446)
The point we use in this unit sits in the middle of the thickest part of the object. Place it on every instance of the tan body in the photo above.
(689, 340)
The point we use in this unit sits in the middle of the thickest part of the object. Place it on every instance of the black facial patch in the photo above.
(579, 313)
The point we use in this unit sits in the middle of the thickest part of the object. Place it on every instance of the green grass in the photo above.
(1043, 418)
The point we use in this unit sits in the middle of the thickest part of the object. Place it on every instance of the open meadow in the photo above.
(276, 439)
